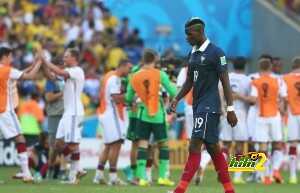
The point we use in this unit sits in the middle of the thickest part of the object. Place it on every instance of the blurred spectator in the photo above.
(109, 21)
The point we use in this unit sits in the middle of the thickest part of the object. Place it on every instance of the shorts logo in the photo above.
(250, 162)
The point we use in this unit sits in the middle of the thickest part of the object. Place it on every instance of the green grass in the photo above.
(209, 185)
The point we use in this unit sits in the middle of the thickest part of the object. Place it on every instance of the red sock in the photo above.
(66, 151)
(190, 169)
(149, 163)
(44, 170)
(221, 168)
(21, 147)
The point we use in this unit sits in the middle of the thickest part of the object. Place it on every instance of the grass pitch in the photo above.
(209, 185)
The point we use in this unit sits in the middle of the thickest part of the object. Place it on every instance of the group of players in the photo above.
(138, 111)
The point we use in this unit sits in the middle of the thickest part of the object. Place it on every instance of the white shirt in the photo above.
(113, 86)
(72, 91)
(181, 77)
(14, 75)
(241, 84)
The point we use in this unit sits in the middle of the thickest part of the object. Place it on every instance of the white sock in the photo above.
(23, 157)
(113, 176)
(149, 173)
(267, 172)
(277, 159)
(100, 174)
(293, 166)
(205, 159)
(74, 165)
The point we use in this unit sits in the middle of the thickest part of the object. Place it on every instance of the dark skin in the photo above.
(195, 36)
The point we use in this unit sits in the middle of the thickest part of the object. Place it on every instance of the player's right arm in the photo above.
(30, 72)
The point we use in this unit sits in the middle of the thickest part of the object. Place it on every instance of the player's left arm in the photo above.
(224, 78)
(58, 71)
(115, 90)
(167, 84)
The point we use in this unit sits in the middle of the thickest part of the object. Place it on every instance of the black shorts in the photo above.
(206, 127)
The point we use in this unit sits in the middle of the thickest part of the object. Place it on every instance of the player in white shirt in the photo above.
(188, 112)
(267, 90)
(114, 121)
(240, 86)
(69, 129)
(9, 123)
(292, 80)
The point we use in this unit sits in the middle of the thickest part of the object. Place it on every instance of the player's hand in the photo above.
(231, 118)
(173, 105)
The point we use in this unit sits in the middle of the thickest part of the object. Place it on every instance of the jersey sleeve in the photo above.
(114, 85)
(75, 73)
(221, 61)
(167, 84)
(253, 91)
(181, 77)
(15, 74)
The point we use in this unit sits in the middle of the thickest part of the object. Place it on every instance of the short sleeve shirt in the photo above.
(205, 66)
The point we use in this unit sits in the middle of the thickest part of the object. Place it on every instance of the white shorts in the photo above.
(293, 127)
(9, 124)
(239, 132)
(251, 119)
(114, 129)
(69, 128)
(268, 129)
(188, 113)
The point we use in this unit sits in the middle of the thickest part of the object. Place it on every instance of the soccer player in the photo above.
(292, 80)
(266, 92)
(240, 85)
(188, 112)
(132, 132)
(145, 84)
(9, 123)
(68, 134)
(207, 65)
(113, 118)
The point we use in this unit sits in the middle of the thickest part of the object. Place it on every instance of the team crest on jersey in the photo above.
(223, 60)
(202, 59)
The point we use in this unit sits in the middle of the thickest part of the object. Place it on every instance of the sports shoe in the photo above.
(143, 183)
(18, 176)
(37, 177)
(267, 180)
(128, 173)
(117, 182)
(165, 182)
(28, 179)
(293, 180)
(81, 174)
(239, 181)
(277, 177)
(99, 180)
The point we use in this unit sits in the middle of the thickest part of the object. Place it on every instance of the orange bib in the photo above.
(292, 81)
(102, 100)
(268, 89)
(146, 84)
(4, 77)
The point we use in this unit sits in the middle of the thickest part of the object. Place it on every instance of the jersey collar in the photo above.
(202, 48)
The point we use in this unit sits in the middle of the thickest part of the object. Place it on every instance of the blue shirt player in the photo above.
(206, 67)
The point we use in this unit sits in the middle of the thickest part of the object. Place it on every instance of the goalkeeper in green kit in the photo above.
(151, 116)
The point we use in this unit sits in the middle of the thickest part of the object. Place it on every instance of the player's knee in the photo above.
(276, 146)
(195, 145)
(212, 148)
(20, 139)
(143, 144)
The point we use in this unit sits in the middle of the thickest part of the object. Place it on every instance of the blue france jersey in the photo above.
(205, 65)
